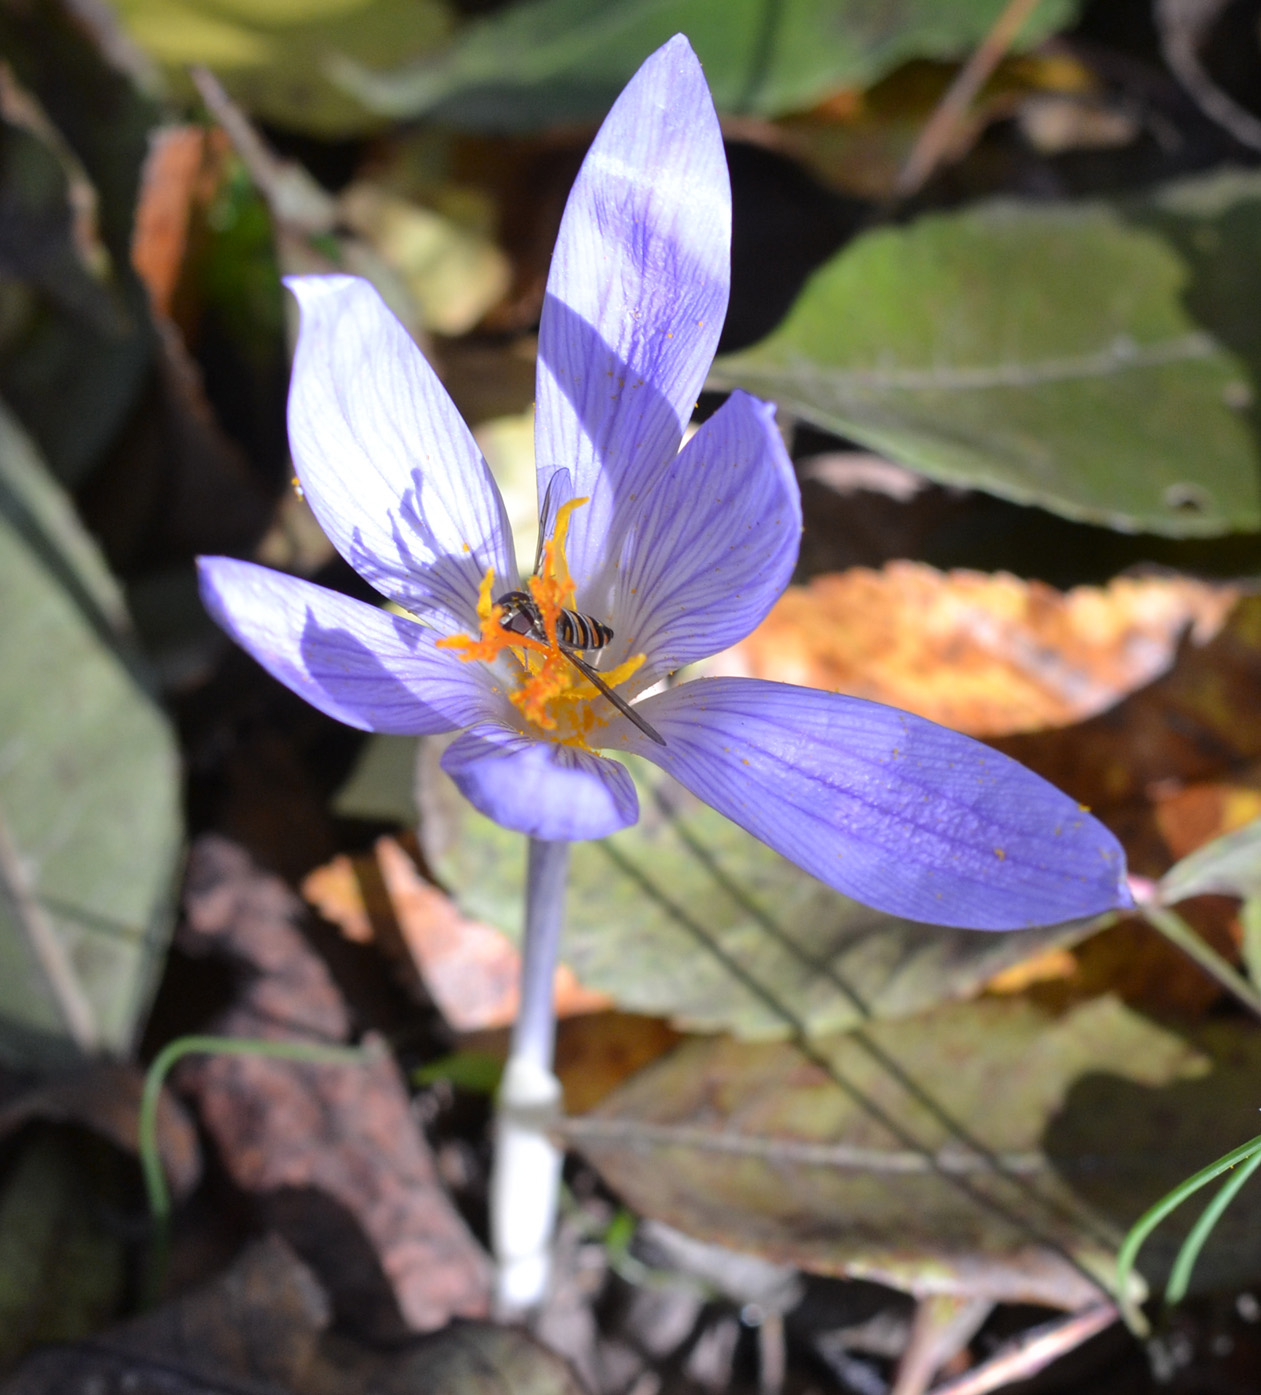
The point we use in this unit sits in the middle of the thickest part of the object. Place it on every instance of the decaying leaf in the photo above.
(90, 825)
(985, 654)
(988, 1149)
(181, 175)
(333, 1150)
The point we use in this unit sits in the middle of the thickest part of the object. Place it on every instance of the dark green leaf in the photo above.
(1050, 354)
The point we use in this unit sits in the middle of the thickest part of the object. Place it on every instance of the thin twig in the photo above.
(936, 137)
(296, 201)
(1032, 1352)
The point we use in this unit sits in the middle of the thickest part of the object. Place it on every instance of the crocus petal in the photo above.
(540, 788)
(713, 544)
(636, 297)
(363, 666)
(386, 463)
(890, 809)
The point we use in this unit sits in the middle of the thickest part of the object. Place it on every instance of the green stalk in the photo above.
(1152, 1217)
(156, 1189)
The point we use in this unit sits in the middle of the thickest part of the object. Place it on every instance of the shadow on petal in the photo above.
(623, 449)
(344, 678)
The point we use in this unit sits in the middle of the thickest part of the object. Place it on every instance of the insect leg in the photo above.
(621, 704)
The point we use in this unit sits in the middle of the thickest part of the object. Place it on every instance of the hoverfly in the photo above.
(575, 633)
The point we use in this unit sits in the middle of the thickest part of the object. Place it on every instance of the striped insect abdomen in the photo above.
(577, 631)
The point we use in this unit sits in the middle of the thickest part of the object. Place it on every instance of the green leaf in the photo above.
(89, 791)
(1027, 1143)
(1054, 355)
(567, 60)
(1229, 866)
(274, 55)
(382, 782)
(687, 916)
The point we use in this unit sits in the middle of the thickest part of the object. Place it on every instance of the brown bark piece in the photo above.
(334, 1148)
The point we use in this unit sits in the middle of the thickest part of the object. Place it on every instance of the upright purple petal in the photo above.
(386, 463)
(636, 297)
(363, 666)
(888, 808)
(540, 788)
(712, 546)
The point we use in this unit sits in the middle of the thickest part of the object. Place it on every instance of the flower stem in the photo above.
(525, 1180)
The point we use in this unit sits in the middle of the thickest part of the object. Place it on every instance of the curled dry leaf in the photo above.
(335, 1148)
(104, 1096)
(471, 971)
(988, 655)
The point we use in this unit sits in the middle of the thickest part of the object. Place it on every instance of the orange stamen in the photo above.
(551, 693)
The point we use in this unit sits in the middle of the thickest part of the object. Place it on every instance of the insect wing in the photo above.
(559, 487)
(622, 706)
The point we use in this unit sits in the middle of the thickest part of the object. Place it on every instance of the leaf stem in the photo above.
(1172, 926)
(1180, 1275)
(525, 1178)
(1152, 1217)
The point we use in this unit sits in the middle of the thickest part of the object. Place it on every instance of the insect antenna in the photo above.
(621, 704)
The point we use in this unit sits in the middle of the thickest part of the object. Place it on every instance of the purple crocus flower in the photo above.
(679, 552)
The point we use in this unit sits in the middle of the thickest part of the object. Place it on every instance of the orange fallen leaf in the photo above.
(1042, 968)
(181, 173)
(1188, 816)
(988, 655)
(471, 971)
